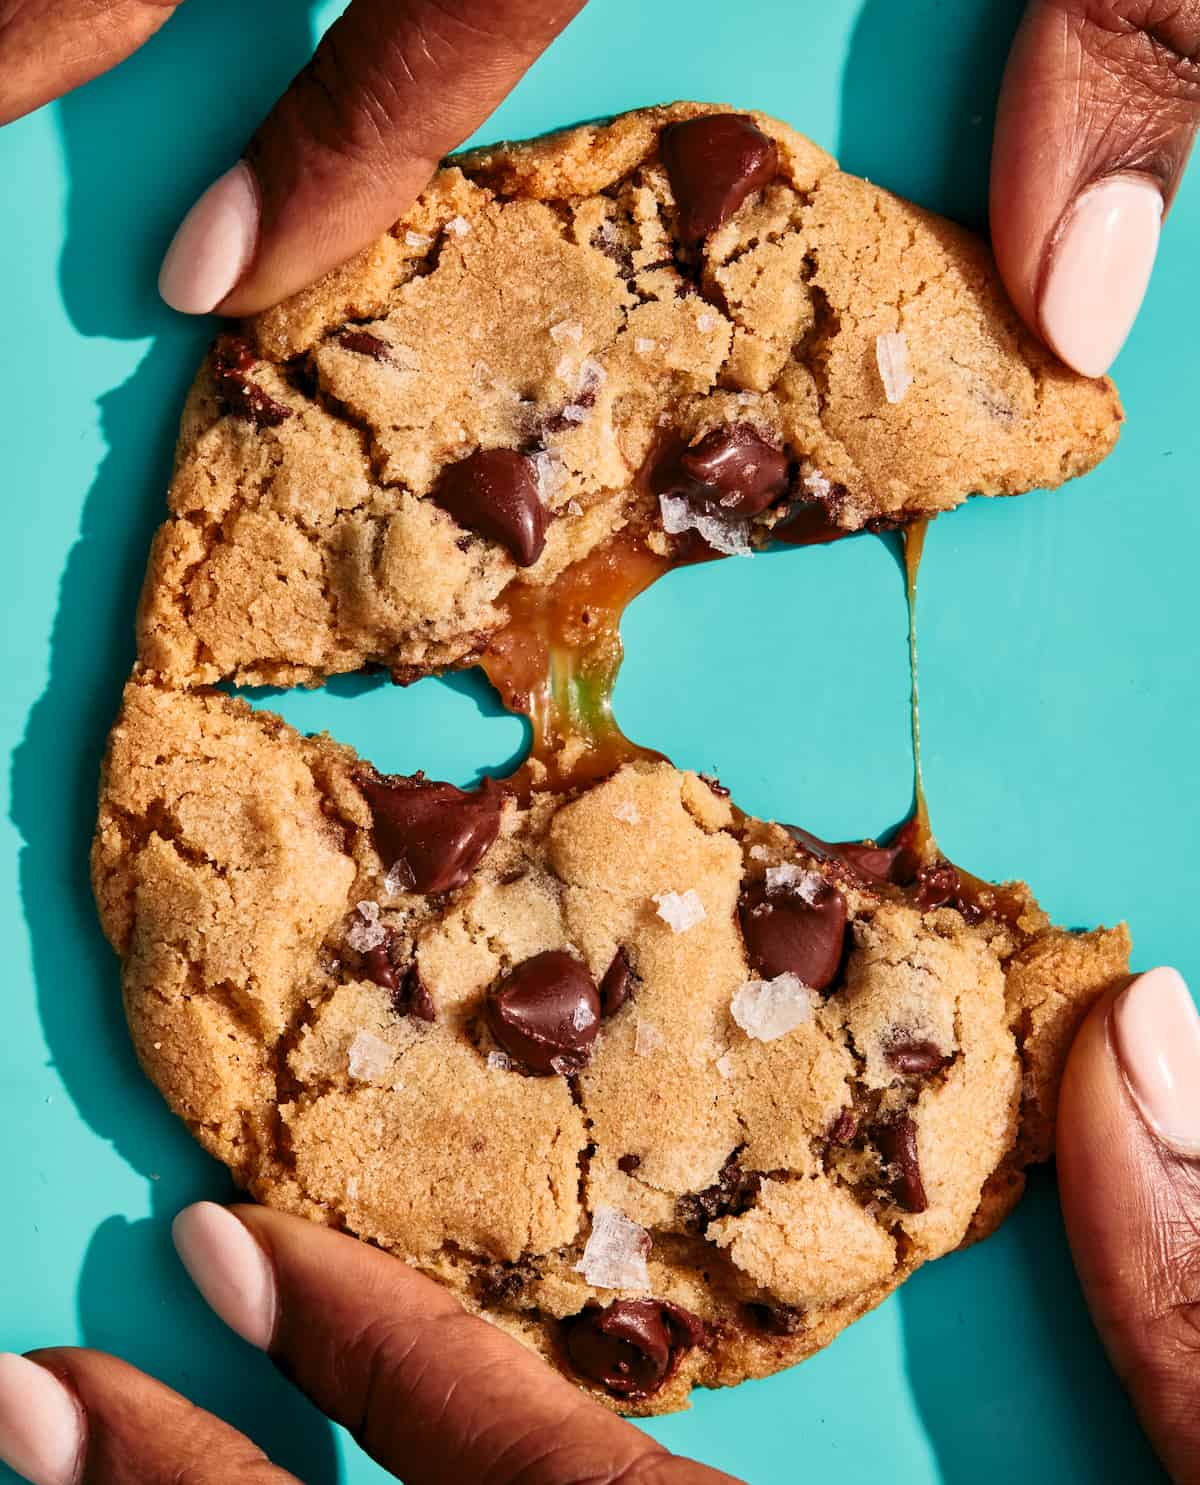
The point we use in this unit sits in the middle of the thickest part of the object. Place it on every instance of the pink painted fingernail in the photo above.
(1099, 267)
(214, 244)
(229, 1268)
(1156, 1031)
(42, 1432)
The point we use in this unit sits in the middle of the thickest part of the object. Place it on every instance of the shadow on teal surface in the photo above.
(969, 1331)
(133, 1298)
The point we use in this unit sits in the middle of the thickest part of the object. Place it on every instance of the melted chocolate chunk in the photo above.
(495, 493)
(875, 863)
(628, 1164)
(785, 934)
(736, 470)
(735, 1192)
(896, 1142)
(913, 1058)
(713, 163)
(411, 998)
(500, 1283)
(935, 886)
(775, 1319)
(363, 343)
(844, 1128)
(232, 362)
(715, 784)
(378, 965)
(631, 1346)
(616, 984)
(546, 1012)
(434, 834)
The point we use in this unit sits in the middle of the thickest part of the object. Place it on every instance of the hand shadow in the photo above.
(139, 145)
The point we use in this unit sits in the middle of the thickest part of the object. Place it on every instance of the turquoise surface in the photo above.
(1058, 675)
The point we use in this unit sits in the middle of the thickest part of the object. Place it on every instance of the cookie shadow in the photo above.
(129, 182)
(1005, 1368)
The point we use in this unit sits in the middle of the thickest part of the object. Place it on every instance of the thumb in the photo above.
(1097, 114)
(1129, 1172)
(394, 85)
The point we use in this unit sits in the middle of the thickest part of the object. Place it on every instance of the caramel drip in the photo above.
(556, 661)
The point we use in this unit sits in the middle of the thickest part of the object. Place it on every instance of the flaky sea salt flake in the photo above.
(769, 1009)
(499, 1061)
(643, 344)
(398, 879)
(723, 535)
(627, 812)
(369, 1058)
(567, 332)
(366, 932)
(647, 1039)
(417, 240)
(724, 1066)
(680, 910)
(616, 1252)
(706, 323)
(459, 226)
(791, 878)
(891, 356)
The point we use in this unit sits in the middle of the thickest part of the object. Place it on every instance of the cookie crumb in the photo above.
(769, 1009)
(680, 910)
(891, 356)
(616, 1253)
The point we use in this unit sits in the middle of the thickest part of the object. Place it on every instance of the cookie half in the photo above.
(684, 325)
(669, 1093)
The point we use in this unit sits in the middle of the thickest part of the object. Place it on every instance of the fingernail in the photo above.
(214, 244)
(41, 1423)
(229, 1268)
(1099, 267)
(1156, 1030)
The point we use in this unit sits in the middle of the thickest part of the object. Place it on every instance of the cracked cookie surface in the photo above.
(661, 1089)
(565, 312)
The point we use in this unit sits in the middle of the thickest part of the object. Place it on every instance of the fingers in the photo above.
(72, 1417)
(48, 47)
(1129, 1172)
(394, 86)
(1100, 103)
(431, 1392)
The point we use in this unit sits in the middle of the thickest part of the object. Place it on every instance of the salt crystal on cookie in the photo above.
(627, 811)
(647, 1039)
(791, 878)
(499, 1061)
(891, 356)
(679, 515)
(370, 1058)
(616, 1253)
(680, 910)
(567, 331)
(459, 226)
(769, 1009)
(366, 932)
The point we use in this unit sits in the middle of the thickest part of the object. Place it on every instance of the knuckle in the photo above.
(1152, 46)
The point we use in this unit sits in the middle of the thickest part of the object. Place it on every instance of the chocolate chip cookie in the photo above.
(669, 1093)
(685, 328)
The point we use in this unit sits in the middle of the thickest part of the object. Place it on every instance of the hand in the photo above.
(430, 1392)
(394, 85)
(1100, 104)
(1129, 1175)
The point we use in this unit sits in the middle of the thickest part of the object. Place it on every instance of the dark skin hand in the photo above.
(1100, 104)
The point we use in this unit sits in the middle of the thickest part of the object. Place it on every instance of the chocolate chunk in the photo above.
(935, 886)
(844, 1128)
(495, 493)
(713, 163)
(616, 984)
(500, 1283)
(628, 1164)
(363, 343)
(546, 1012)
(379, 967)
(896, 1141)
(735, 1192)
(232, 362)
(411, 998)
(715, 784)
(916, 1058)
(875, 863)
(631, 1346)
(786, 934)
(432, 834)
(736, 470)
(776, 1319)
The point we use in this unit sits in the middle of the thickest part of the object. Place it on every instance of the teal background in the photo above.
(1058, 676)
